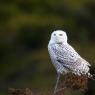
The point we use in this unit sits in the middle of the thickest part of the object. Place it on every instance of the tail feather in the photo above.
(91, 74)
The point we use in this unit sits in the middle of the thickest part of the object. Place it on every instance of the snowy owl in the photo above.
(64, 57)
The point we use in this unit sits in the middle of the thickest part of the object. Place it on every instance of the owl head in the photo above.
(58, 37)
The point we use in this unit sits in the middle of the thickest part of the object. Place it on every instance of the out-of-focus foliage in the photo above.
(25, 28)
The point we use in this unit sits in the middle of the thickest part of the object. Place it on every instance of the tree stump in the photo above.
(14, 91)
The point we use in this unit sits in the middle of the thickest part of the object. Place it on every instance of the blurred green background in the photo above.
(25, 28)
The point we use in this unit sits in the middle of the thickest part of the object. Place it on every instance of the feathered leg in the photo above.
(58, 77)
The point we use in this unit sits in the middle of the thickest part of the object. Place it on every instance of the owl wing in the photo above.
(68, 57)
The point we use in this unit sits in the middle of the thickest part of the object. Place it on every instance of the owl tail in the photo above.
(91, 76)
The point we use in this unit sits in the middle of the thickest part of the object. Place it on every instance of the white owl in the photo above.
(64, 58)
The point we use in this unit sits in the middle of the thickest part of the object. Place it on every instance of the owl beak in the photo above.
(59, 42)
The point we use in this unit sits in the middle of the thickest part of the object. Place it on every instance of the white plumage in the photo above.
(64, 57)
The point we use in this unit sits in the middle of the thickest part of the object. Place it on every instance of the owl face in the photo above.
(59, 36)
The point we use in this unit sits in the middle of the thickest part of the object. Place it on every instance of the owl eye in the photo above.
(60, 34)
(54, 34)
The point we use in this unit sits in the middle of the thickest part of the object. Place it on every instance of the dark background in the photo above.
(25, 29)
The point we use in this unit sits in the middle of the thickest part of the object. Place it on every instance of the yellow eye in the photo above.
(54, 34)
(60, 34)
